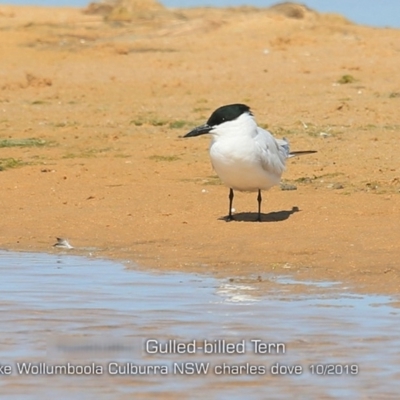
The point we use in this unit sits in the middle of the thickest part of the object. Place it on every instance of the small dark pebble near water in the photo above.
(288, 186)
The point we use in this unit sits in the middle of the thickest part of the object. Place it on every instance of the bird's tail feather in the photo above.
(301, 152)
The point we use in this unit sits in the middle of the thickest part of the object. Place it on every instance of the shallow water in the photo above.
(60, 309)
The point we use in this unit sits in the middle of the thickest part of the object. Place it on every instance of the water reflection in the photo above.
(89, 313)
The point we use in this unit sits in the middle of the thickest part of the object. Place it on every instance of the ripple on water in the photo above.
(51, 299)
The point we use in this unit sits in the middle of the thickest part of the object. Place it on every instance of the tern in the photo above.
(246, 157)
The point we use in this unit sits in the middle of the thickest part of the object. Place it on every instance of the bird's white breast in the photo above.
(245, 157)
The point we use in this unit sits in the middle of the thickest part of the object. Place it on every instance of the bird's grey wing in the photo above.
(284, 145)
(273, 152)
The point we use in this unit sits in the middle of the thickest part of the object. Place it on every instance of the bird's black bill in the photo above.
(200, 130)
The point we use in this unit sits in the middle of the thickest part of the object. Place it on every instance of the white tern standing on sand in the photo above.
(245, 156)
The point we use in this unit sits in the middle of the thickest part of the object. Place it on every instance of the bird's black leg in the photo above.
(230, 217)
(259, 199)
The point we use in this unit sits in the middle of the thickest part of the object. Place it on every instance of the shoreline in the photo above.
(91, 116)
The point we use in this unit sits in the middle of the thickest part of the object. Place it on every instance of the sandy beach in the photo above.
(92, 111)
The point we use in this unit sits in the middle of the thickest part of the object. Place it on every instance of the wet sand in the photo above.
(107, 102)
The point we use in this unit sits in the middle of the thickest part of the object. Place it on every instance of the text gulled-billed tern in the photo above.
(245, 157)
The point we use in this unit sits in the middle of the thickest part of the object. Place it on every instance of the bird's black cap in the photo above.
(220, 115)
(227, 113)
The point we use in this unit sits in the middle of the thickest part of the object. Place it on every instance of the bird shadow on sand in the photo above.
(274, 216)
